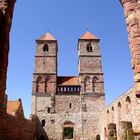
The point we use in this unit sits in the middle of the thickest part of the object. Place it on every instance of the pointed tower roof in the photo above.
(47, 36)
(88, 36)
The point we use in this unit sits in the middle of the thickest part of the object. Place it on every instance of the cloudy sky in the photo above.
(67, 20)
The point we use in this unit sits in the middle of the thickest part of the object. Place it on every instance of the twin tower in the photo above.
(68, 106)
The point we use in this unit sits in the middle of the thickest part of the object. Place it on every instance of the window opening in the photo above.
(70, 105)
(43, 122)
(45, 48)
(89, 48)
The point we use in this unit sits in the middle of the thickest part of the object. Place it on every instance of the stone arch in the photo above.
(128, 104)
(128, 99)
(87, 84)
(119, 105)
(112, 108)
(98, 137)
(46, 84)
(119, 111)
(107, 111)
(68, 130)
(95, 84)
(39, 84)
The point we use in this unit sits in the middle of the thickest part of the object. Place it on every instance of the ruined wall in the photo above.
(6, 14)
(124, 109)
(11, 127)
(132, 15)
(22, 129)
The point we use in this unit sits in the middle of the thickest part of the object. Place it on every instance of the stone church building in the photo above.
(68, 107)
(71, 107)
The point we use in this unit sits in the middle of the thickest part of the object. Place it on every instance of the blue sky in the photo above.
(67, 20)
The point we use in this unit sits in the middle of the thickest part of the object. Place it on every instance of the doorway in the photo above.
(68, 133)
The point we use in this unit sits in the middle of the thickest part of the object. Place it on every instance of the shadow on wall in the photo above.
(41, 134)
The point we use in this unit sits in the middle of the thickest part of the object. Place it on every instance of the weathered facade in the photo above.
(68, 107)
(65, 106)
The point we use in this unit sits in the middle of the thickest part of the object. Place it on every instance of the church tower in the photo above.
(44, 76)
(89, 64)
(92, 83)
(90, 68)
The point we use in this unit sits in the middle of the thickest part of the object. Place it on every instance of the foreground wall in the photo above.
(132, 15)
(6, 14)
(11, 127)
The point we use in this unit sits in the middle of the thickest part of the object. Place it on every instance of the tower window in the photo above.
(89, 48)
(45, 48)
(87, 85)
(43, 122)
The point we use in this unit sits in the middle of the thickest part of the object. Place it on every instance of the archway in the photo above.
(98, 137)
(68, 130)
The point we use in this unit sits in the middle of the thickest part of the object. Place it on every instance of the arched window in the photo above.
(107, 111)
(43, 122)
(89, 48)
(119, 105)
(128, 99)
(94, 84)
(87, 84)
(46, 85)
(98, 137)
(38, 84)
(112, 108)
(128, 104)
(45, 48)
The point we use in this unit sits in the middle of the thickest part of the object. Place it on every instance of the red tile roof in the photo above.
(67, 81)
(47, 36)
(12, 106)
(88, 36)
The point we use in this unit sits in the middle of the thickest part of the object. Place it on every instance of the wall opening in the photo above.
(68, 133)
(98, 137)
(43, 122)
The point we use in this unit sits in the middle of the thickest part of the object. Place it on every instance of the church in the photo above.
(68, 107)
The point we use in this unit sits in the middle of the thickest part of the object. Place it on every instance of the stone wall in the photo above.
(83, 113)
(132, 15)
(68, 103)
(124, 109)
(6, 14)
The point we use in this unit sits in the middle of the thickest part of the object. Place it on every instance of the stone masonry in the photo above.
(132, 15)
(75, 103)
(63, 103)
(12, 126)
